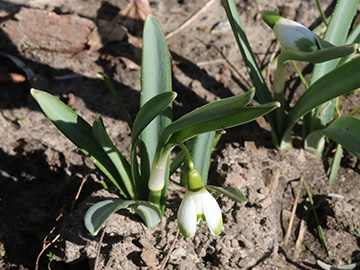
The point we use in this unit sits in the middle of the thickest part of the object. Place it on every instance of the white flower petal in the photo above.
(212, 213)
(291, 33)
(187, 215)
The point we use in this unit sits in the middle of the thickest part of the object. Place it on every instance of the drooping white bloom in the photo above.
(196, 207)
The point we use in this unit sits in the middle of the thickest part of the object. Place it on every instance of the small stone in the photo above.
(149, 257)
(266, 202)
(264, 190)
(234, 243)
(246, 243)
(243, 262)
(234, 179)
(145, 243)
(200, 265)
(250, 145)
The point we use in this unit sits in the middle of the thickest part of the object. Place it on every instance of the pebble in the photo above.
(243, 262)
(149, 257)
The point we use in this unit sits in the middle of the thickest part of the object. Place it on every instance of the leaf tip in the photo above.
(34, 92)
(100, 75)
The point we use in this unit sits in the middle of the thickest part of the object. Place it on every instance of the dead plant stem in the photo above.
(164, 262)
(287, 235)
(190, 20)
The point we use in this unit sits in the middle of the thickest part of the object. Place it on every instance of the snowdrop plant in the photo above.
(142, 181)
(336, 73)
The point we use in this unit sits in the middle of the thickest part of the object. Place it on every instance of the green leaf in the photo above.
(231, 192)
(155, 79)
(121, 164)
(241, 116)
(262, 91)
(201, 154)
(99, 213)
(345, 131)
(336, 83)
(117, 98)
(150, 110)
(335, 165)
(336, 33)
(215, 110)
(78, 131)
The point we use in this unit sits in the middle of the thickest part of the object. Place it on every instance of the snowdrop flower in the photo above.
(292, 35)
(198, 206)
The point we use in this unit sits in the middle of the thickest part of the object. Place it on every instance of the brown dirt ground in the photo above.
(41, 171)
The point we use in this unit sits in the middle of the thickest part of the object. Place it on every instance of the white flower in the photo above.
(291, 34)
(199, 206)
(295, 36)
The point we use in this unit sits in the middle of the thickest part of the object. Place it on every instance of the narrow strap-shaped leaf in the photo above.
(231, 192)
(262, 90)
(121, 164)
(335, 165)
(117, 98)
(155, 79)
(77, 130)
(345, 131)
(338, 82)
(336, 33)
(239, 117)
(201, 154)
(150, 110)
(214, 110)
(99, 213)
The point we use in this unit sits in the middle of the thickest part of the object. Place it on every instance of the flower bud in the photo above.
(291, 34)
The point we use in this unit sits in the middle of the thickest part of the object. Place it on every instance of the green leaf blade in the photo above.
(241, 116)
(119, 161)
(336, 33)
(77, 130)
(155, 79)
(150, 110)
(214, 110)
(201, 153)
(99, 213)
(345, 131)
(230, 192)
(336, 83)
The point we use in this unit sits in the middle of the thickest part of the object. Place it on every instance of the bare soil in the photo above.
(65, 43)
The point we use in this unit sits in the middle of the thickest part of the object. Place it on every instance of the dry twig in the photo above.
(190, 20)
(99, 247)
(164, 262)
(298, 243)
(47, 244)
(287, 235)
